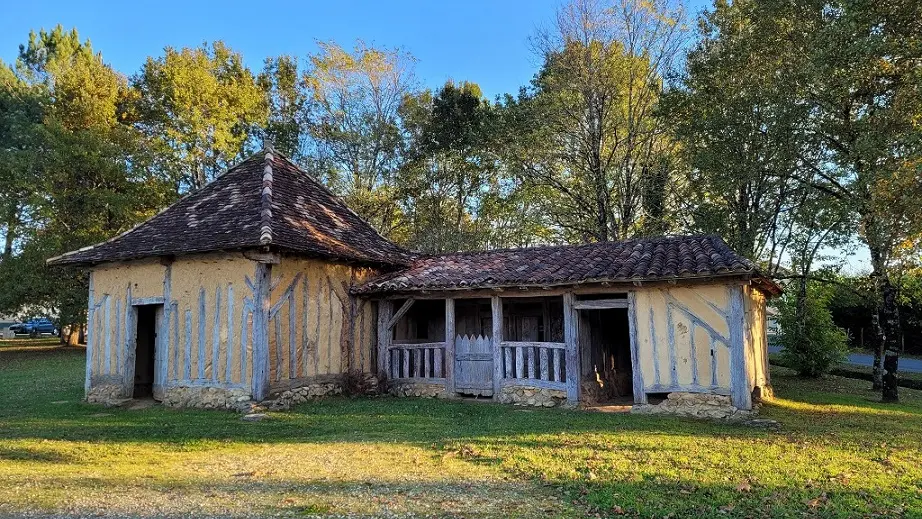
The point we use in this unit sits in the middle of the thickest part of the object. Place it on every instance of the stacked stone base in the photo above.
(532, 396)
(297, 395)
(695, 405)
(206, 397)
(419, 389)
(108, 394)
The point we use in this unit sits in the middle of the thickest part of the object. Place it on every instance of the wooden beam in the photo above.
(640, 396)
(90, 337)
(569, 336)
(261, 306)
(600, 304)
(739, 376)
(271, 258)
(400, 313)
(385, 309)
(496, 305)
(450, 346)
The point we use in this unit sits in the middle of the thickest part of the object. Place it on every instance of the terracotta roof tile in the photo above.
(266, 200)
(648, 259)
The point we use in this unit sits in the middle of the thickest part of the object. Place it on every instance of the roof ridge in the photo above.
(265, 213)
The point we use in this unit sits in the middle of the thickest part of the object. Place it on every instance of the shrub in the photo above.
(816, 345)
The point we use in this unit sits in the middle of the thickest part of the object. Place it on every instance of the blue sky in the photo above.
(481, 41)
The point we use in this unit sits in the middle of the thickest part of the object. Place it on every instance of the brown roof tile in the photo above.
(265, 201)
(648, 259)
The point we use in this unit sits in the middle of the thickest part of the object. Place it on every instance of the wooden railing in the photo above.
(540, 364)
(417, 361)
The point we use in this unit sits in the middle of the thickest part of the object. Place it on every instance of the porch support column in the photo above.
(261, 306)
(450, 346)
(640, 397)
(740, 391)
(569, 338)
(385, 312)
(497, 307)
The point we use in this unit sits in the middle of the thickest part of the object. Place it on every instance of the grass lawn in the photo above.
(838, 453)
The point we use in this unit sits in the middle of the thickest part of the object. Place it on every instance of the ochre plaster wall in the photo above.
(683, 338)
(756, 338)
(315, 327)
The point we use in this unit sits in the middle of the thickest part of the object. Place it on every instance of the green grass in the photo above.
(838, 453)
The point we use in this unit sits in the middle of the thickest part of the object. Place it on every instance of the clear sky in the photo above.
(476, 40)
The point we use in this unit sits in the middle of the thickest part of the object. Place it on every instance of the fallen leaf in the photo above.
(744, 486)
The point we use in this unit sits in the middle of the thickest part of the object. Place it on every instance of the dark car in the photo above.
(34, 327)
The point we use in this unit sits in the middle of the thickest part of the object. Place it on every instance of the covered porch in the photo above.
(544, 348)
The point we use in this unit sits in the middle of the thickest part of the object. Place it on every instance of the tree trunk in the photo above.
(73, 335)
(890, 381)
(886, 322)
(12, 226)
(877, 342)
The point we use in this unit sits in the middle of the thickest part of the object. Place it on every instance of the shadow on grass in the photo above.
(252, 494)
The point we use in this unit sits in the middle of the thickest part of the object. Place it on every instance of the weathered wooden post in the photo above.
(385, 312)
(450, 346)
(740, 392)
(497, 306)
(640, 397)
(569, 338)
(260, 331)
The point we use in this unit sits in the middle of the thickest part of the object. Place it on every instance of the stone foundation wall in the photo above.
(533, 396)
(418, 389)
(206, 397)
(696, 405)
(297, 395)
(108, 394)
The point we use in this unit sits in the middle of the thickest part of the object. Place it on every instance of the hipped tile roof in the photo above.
(643, 259)
(266, 201)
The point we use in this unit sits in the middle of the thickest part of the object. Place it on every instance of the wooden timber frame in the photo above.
(388, 319)
(622, 295)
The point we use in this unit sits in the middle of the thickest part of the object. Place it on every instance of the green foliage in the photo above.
(813, 344)
(203, 105)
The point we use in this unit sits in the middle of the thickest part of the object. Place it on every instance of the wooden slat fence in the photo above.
(474, 365)
(417, 361)
(541, 364)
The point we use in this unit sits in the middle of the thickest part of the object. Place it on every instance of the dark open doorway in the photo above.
(145, 349)
(605, 346)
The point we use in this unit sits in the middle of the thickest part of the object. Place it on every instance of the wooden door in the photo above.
(474, 365)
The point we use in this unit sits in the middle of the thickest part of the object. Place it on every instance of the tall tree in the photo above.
(203, 105)
(88, 179)
(353, 124)
(826, 95)
(589, 128)
(286, 98)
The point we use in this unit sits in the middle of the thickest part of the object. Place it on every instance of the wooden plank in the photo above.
(119, 345)
(640, 396)
(177, 357)
(305, 340)
(229, 347)
(450, 345)
(245, 334)
(90, 336)
(654, 347)
(216, 334)
(201, 333)
(544, 363)
(689, 388)
(292, 335)
(108, 336)
(530, 359)
(496, 306)
(260, 382)
(694, 353)
(384, 337)
(519, 362)
(474, 357)
(535, 344)
(162, 344)
(543, 384)
(437, 368)
(405, 355)
(404, 308)
(739, 381)
(600, 304)
(713, 361)
(187, 361)
(570, 334)
(558, 363)
(142, 301)
(673, 358)
(427, 363)
(433, 380)
(416, 345)
(507, 362)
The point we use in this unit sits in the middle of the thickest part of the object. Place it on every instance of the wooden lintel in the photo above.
(600, 304)
(400, 313)
(271, 258)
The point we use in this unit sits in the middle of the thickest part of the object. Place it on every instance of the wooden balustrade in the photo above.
(540, 364)
(417, 361)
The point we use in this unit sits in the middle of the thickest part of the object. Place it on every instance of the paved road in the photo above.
(864, 359)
